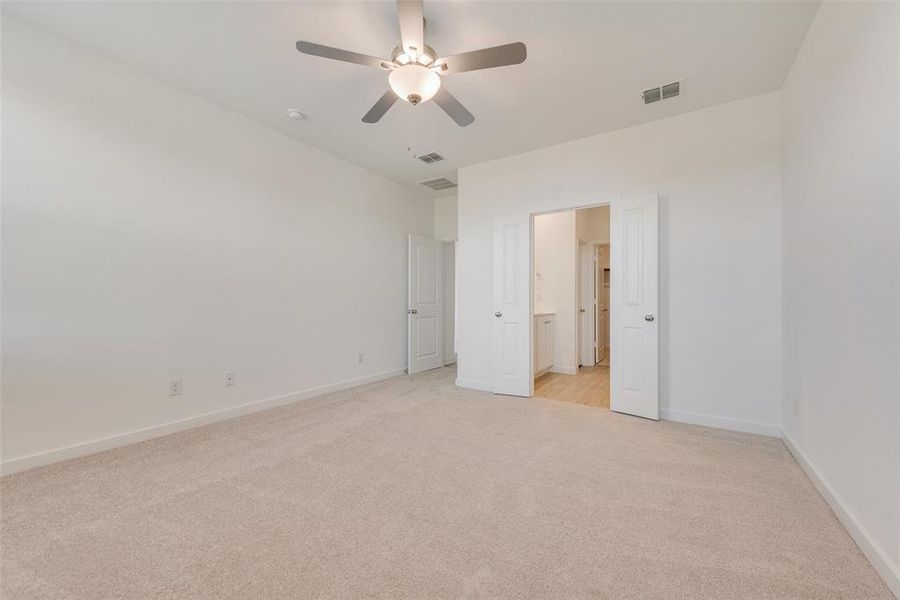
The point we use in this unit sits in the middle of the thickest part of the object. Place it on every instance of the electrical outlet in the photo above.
(361, 358)
(796, 405)
(175, 387)
(229, 379)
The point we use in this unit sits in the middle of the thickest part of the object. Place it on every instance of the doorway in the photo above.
(571, 374)
(633, 306)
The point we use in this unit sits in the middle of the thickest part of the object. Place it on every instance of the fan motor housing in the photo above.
(398, 51)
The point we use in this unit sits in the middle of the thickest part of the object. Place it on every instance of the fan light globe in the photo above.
(414, 83)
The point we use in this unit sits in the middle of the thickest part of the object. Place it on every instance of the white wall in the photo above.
(592, 225)
(555, 271)
(445, 218)
(148, 235)
(842, 268)
(718, 173)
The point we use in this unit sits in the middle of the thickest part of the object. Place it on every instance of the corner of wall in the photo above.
(877, 556)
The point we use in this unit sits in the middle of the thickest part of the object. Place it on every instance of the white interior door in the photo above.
(602, 296)
(424, 310)
(634, 300)
(512, 307)
(587, 303)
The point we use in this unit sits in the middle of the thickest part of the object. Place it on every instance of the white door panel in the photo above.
(512, 307)
(587, 304)
(634, 299)
(424, 308)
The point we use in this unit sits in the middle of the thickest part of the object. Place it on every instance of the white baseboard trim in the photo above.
(872, 551)
(23, 463)
(564, 370)
(475, 385)
(682, 416)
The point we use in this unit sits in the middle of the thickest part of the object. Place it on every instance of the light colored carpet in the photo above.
(412, 488)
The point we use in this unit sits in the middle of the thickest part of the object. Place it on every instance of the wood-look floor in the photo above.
(590, 386)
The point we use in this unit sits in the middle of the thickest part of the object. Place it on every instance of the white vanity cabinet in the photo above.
(544, 342)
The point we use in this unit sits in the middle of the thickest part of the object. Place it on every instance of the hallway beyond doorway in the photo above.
(590, 386)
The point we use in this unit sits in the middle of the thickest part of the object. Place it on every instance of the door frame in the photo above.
(449, 313)
(411, 314)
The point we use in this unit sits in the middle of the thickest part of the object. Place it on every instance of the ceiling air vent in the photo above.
(663, 92)
(670, 90)
(441, 183)
(431, 157)
(652, 95)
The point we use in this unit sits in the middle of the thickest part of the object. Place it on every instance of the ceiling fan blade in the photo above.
(453, 107)
(343, 55)
(486, 58)
(412, 26)
(384, 103)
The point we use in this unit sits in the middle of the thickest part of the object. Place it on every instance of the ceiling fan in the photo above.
(415, 68)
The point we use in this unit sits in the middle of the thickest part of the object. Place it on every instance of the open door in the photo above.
(512, 307)
(424, 311)
(634, 300)
(587, 302)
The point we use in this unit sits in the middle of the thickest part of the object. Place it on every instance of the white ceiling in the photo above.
(587, 65)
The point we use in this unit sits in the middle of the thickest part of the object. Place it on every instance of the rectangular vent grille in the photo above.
(431, 157)
(653, 95)
(663, 92)
(441, 183)
(671, 90)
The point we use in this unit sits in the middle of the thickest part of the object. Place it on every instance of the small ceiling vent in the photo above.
(431, 157)
(670, 90)
(441, 183)
(652, 95)
(663, 92)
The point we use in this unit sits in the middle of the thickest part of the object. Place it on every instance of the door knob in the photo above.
(582, 310)
(649, 318)
(413, 311)
(498, 314)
